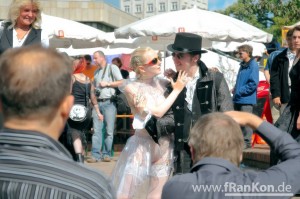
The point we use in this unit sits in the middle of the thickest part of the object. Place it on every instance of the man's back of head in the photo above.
(33, 81)
(217, 135)
(35, 87)
(35, 90)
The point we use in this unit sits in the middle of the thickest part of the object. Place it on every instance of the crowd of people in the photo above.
(190, 129)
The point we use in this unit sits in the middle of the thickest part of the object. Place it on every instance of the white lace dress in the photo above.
(144, 166)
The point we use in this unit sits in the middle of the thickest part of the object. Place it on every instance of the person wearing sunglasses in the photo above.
(206, 92)
(90, 67)
(146, 163)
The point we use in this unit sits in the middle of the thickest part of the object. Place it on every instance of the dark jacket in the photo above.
(216, 173)
(279, 77)
(211, 95)
(295, 87)
(6, 40)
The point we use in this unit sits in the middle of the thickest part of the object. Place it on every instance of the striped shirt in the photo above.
(35, 166)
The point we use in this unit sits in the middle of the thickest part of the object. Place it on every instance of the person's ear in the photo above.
(241, 157)
(196, 58)
(66, 106)
(192, 150)
(141, 69)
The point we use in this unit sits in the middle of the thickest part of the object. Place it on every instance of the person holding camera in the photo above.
(106, 78)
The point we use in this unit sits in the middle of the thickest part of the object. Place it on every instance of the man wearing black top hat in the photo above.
(206, 92)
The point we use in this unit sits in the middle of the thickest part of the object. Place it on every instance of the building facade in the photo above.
(91, 12)
(147, 8)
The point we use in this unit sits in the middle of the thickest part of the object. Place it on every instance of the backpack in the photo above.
(120, 100)
(121, 103)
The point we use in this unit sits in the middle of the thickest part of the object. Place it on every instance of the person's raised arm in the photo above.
(245, 119)
(285, 147)
(159, 111)
(138, 100)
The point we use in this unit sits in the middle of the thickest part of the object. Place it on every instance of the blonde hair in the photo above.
(14, 12)
(138, 58)
(217, 135)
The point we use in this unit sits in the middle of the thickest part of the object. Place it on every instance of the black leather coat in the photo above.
(211, 94)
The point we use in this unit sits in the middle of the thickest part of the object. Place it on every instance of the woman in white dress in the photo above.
(144, 165)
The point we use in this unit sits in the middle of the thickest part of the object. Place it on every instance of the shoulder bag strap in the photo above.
(113, 78)
(101, 77)
(111, 74)
(86, 91)
(104, 72)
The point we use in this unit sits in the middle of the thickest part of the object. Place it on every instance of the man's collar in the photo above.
(290, 52)
(215, 161)
(32, 139)
(246, 64)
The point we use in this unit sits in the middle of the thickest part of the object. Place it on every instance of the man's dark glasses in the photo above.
(178, 55)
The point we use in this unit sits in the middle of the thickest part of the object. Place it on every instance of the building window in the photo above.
(162, 7)
(150, 7)
(138, 8)
(127, 9)
(174, 6)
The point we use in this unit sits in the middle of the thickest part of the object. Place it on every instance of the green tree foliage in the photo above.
(268, 15)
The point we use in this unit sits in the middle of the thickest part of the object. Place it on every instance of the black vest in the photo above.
(6, 40)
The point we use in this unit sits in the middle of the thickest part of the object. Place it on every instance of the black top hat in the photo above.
(186, 43)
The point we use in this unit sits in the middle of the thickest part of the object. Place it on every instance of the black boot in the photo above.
(79, 158)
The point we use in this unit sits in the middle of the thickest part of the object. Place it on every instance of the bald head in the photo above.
(33, 81)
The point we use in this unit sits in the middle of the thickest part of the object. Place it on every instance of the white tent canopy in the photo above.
(155, 42)
(292, 26)
(74, 52)
(210, 25)
(64, 33)
(258, 48)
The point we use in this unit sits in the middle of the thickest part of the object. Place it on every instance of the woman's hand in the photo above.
(139, 100)
(214, 69)
(181, 82)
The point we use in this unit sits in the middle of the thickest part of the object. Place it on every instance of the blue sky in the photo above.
(219, 4)
(115, 3)
(212, 4)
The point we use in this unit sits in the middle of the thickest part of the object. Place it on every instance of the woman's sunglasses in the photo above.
(178, 55)
(154, 61)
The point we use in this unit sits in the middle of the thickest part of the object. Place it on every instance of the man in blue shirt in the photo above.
(245, 89)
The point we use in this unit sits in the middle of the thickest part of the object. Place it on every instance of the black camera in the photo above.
(97, 92)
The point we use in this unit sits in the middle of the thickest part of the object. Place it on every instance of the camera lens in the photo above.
(97, 92)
